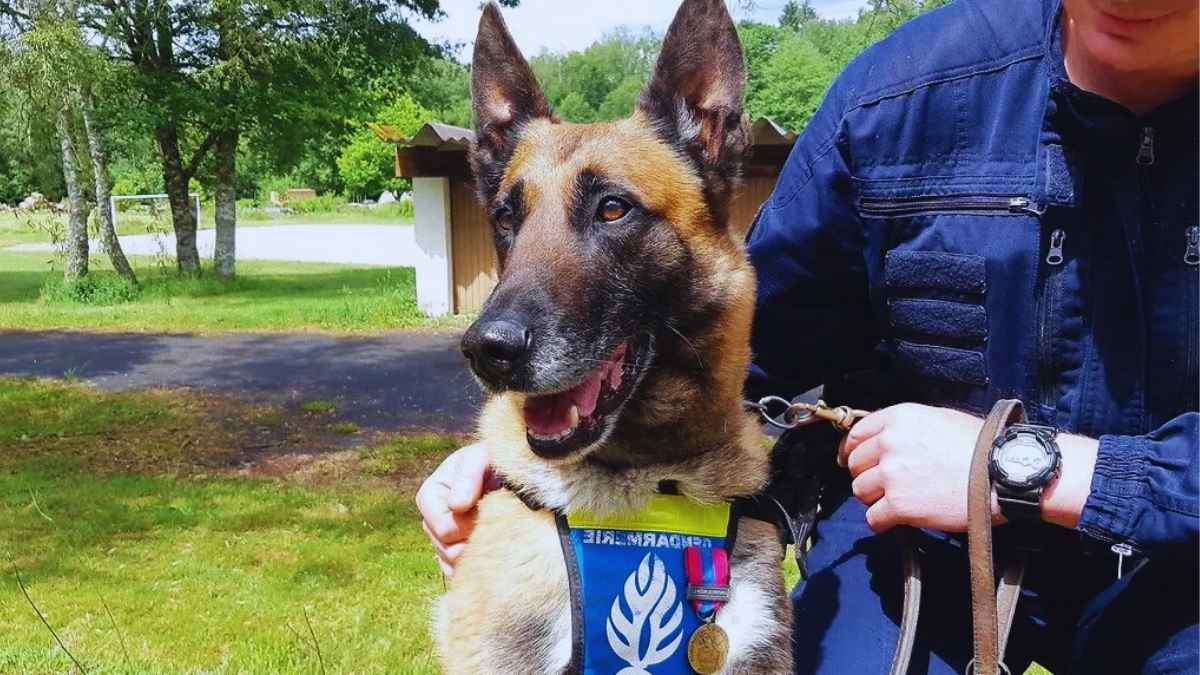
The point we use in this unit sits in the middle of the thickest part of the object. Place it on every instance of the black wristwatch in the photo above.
(1025, 459)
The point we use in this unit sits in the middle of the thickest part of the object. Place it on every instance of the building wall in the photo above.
(754, 192)
(475, 265)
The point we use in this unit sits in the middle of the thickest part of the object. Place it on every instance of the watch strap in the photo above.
(1035, 428)
(1017, 507)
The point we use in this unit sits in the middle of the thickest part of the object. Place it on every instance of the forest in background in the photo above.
(237, 100)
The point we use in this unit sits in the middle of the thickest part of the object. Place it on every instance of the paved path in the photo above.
(390, 382)
(392, 245)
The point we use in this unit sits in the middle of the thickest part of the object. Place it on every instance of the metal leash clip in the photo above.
(795, 415)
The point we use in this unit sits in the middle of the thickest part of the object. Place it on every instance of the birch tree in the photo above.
(102, 177)
(58, 75)
(41, 66)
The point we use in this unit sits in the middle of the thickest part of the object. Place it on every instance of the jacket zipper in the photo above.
(1051, 289)
(1191, 258)
(1145, 156)
(914, 206)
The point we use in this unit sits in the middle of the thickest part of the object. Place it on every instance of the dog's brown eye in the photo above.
(612, 209)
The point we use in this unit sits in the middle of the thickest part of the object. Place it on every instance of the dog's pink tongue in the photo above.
(550, 415)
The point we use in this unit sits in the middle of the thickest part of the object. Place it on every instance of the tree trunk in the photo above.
(226, 206)
(176, 180)
(103, 179)
(76, 249)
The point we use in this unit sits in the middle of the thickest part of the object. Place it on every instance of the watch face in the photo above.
(1022, 458)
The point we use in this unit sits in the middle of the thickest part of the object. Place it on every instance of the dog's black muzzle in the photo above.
(497, 348)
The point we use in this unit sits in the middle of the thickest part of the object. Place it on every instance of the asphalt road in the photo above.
(391, 245)
(391, 382)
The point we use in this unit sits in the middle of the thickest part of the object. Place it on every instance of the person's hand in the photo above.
(447, 502)
(910, 465)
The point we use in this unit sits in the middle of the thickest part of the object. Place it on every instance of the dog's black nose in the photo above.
(496, 348)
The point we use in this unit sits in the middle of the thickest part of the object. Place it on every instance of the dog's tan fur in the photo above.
(508, 607)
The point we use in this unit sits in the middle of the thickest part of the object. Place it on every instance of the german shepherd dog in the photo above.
(615, 346)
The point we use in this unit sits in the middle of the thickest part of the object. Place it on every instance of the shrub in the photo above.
(93, 289)
(321, 204)
(399, 210)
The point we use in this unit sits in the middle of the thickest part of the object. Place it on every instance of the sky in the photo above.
(569, 25)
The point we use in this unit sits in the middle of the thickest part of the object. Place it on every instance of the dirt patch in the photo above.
(189, 433)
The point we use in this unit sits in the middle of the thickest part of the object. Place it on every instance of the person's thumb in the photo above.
(467, 483)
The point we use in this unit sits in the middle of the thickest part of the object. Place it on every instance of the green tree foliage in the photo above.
(601, 82)
(796, 14)
(794, 81)
(366, 163)
(791, 64)
(443, 87)
(299, 81)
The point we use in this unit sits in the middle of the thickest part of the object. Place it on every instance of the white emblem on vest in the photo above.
(651, 596)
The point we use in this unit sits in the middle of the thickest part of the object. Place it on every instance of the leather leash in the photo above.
(992, 609)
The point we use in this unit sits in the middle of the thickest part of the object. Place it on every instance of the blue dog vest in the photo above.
(631, 615)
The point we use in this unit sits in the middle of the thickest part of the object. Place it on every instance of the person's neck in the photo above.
(1139, 92)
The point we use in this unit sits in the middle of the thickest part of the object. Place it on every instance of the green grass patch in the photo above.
(265, 296)
(344, 428)
(319, 407)
(94, 289)
(149, 572)
(386, 458)
(32, 410)
(211, 575)
(155, 571)
(330, 211)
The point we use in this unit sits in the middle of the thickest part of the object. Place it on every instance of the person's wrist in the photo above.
(1064, 498)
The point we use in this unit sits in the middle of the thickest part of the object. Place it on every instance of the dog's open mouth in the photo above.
(569, 421)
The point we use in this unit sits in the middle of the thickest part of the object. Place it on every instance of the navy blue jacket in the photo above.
(967, 225)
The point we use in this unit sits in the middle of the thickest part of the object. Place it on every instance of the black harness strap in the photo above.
(575, 584)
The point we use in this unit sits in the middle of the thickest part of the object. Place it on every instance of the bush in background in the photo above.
(97, 289)
(367, 164)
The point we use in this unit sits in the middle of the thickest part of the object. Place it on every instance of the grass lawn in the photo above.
(151, 555)
(148, 554)
(265, 296)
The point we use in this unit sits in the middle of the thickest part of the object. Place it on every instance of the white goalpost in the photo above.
(112, 202)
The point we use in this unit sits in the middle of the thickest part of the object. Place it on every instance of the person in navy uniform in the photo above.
(1000, 200)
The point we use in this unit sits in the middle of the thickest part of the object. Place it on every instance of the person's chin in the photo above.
(1119, 52)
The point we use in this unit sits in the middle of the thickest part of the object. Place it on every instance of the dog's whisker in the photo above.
(699, 359)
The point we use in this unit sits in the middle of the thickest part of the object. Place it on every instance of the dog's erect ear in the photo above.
(505, 95)
(695, 97)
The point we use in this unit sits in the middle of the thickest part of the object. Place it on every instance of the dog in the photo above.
(614, 350)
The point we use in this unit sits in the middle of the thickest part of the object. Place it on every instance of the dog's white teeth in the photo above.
(574, 417)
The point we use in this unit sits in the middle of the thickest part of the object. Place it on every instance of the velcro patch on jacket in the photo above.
(939, 318)
(956, 272)
(943, 363)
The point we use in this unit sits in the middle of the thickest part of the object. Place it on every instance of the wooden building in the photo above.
(457, 268)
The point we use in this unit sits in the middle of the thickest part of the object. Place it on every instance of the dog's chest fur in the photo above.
(508, 608)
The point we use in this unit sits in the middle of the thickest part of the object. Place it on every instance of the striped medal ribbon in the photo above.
(707, 571)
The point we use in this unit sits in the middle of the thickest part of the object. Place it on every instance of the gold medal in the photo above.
(707, 649)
